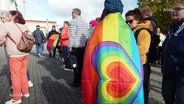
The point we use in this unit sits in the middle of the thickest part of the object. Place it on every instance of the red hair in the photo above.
(18, 17)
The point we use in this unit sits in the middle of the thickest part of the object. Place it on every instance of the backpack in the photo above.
(154, 26)
(26, 41)
(152, 53)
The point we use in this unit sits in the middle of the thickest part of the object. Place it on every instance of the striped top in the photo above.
(78, 33)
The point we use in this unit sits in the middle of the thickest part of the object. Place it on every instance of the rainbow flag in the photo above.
(52, 42)
(112, 71)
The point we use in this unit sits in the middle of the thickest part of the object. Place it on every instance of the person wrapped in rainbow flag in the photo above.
(112, 71)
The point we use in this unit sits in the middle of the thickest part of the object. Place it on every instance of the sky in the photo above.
(60, 10)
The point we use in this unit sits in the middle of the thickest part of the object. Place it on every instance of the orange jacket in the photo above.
(65, 36)
(143, 40)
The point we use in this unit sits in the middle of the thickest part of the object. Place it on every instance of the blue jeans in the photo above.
(39, 48)
(171, 87)
(65, 51)
(28, 76)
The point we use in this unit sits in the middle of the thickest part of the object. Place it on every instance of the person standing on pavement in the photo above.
(65, 33)
(5, 17)
(39, 40)
(173, 58)
(77, 41)
(52, 32)
(110, 53)
(18, 60)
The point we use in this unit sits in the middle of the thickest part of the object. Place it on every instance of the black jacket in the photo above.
(173, 51)
(51, 33)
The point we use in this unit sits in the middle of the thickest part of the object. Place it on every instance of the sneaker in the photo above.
(39, 56)
(63, 65)
(66, 69)
(13, 101)
(30, 84)
(63, 60)
(26, 95)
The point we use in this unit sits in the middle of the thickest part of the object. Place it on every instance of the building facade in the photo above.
(45, 25)
(6, 5)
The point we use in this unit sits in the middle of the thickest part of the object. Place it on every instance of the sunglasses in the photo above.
(177, 9)
(129, 21)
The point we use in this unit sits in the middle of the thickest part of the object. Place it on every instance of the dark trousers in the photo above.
(159, 55)
(173, 89)
(146, 84)
(54, 52)
(79, 53)
(65, 50)
(28, 76)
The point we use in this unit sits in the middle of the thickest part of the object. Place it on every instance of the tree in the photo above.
(161, 11)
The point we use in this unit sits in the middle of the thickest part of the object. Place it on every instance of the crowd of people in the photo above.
(88, 42)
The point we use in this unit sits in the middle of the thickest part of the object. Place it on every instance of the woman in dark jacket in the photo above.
(173, 58)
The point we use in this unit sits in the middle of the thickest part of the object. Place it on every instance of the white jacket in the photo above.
(78, 32)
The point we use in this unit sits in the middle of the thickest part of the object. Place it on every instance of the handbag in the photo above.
(26, 41)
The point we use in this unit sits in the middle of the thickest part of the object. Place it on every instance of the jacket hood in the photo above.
(146, 24)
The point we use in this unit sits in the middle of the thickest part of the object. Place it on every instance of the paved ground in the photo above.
(51, 82)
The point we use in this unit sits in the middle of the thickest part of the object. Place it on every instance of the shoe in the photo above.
(74, 84)
(66, 69)
(13, 101)
(63, 60)
(30, 84)
(25, 95)
(39, 56)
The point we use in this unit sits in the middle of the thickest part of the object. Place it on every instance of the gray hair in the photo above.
(77, 10)
(4, 13)
(182, 3)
